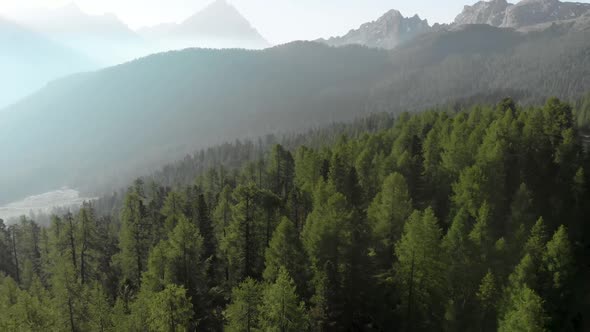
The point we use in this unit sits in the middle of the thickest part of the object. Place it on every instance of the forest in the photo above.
(452, 219)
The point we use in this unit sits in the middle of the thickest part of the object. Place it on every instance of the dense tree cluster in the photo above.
(454, 221)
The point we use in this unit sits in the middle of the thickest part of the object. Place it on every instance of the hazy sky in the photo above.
(277, 20)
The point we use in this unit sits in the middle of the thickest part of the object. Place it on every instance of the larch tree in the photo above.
(173, 209)
(134, 240)
(328, 241)
(87, 242)
(461, 282)
(419, 269)
(170, 310)
(487, 297)
(222, 216)
(559, 265)
(387, 215)
(286, 251)
(525, 313)
(244, 241)
(281, 309)
(243, 313)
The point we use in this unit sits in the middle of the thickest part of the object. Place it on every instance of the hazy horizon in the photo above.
(278, 21)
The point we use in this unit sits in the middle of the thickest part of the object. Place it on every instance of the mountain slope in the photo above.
(29, 60)
(486, 63)
(389, 31)
(218, 25)
(125, 120)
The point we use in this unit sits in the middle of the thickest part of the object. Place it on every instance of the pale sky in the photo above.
(279, 21)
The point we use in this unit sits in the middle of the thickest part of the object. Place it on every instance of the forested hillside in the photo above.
(130, 119)
(157, 109)
(448, 220)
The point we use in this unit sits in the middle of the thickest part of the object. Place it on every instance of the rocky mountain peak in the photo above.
(526, 13)
(532, 12)
(484, 12)
(393, 13)
(388, 31)
(220, 20)
(218, 25)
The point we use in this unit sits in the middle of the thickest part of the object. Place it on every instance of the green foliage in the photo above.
(173, 209)
(535, 245)
(244, 241)
(243, 313)
(179, 261)
(285, 251)
(25, 310)
(307, 168)
(134, 239)
(281, 309)
(238, 237)
(170, 310)
(69, 301)
(558, 258)
(100, 310)
(327, 233)
(387, 214)
(487, 291)
(525, 314)
(461, 277)
(87, 243)
(281, 171)
(559, 264)
(184, 254)
(419, 271)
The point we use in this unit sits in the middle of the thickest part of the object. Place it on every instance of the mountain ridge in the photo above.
(526, 13)
(388, 31)
(393, 29)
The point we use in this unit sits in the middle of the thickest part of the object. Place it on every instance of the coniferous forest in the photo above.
(445, 220)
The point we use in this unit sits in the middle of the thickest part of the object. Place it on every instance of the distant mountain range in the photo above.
(110, 41)
(47, 44)
(393, 29)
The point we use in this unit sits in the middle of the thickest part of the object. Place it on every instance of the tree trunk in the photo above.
(71, 314)
(410, 295)
(72, 242)
(15, 256)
